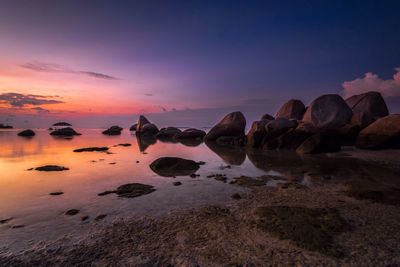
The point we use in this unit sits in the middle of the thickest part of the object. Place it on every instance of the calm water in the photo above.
(24, 195)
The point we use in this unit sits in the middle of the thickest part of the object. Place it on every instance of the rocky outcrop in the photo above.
(257, 133)
(383, 133)
(113, 130)
(145, 127)
(293, 109)
(68, 131)
(174, 166)
(232, 124)
(26, 133)
(319, 143)
(133, 128)
(278, 126)
(328, 112)
(370, 103)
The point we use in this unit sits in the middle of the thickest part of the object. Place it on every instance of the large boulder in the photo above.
(293, 109)
(27, 133)
(68, 131)
(144, 127)
(232, 124)
(190, 133)
(141, 122)
(328, 112)
(320, 143)
(361, 119)
(292, 139)
(173, 166)
(371, 103)
(383, 133)
(113, 130)
(257, 133)
(279, 126)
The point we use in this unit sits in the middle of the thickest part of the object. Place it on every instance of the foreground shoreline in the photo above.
(229, 234)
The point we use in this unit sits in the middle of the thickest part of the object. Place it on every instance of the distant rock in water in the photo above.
(370, 103)
(133, 128)
(383, 133)
(113, 130)
(190, 133)
(131, 190)
(145, 127)
(92, 149)
(173, 166)
(328, 112)
(62, 123)
(68, 131)
(27, 133)
(3, 126)
(51, 168)
(168, 133)
(124, 145)
(293, 109)
(232, 124)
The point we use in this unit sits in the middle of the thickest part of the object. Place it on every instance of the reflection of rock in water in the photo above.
(145, 141)
(191, 142)
(234, 155)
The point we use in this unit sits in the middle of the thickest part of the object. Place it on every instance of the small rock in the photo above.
(194, 175)
(71, 212)
(3, 221)
(91, 149)
(56, 193)
(236, 196)
(100, 217)
(84, 218)
(51, 168)
(26, 133)
(177, 183)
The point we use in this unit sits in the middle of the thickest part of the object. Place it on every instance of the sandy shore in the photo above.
(230, 235)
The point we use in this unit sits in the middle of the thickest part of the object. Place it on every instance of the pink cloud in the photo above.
(372, 82)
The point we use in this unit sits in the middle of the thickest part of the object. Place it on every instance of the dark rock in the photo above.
(68, 131)
(320, 143)
(71, 212)
(361, 119)
(231, 140)
(277, 127)
(62, 123)
(257, 133)
(312, 229)
(194, 175)
(124, 145)
(173, 166)
(133, 128)
(27, 133)
(249, 181)
(167, 133)
(141, 122)
(293, 109)
(51, 168)
(370, 103)
(149, 129)
(190, 133)
(383, 133)
(3, 126)
(177, 183)
(50, 129)
(84, 218)
(232, 124)
(328, 112)
(113, 130)
(56, 193)
(3, 221)
(292, 139)
(100, 217)
(267, 117)
(236, 196)
(348, 134)
(130, 190)
(92, 149)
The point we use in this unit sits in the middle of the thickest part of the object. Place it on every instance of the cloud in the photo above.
(372, 82)
(21, 100)
(56, 68)
(40, 110)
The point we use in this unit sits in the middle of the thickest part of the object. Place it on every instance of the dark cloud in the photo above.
(39, 109)
(20, 100)
(56, 68)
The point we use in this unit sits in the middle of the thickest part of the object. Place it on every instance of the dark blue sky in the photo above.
(208, 53)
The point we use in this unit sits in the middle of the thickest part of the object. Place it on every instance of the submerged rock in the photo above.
(190, 133)
(177, 183)
(27, 133)
(51, 168)
(232, 124)
(124, 145)
(247, 181)
(371, 103)
(92, 149)
(68, 131)
(131, 190)
(293, 109)
(57, 193)
(328, 112)
(71, 212)
(173, 166)
(383, 133)
(100, 217)
(312, 229)
(113, 130)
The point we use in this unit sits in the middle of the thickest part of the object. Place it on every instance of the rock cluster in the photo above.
(113, 130)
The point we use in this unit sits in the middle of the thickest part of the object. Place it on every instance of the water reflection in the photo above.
(234, 155)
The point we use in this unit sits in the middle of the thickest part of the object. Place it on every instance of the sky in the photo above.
(186, 63)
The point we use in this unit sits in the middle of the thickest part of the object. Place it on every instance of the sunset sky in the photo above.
(106, 62)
